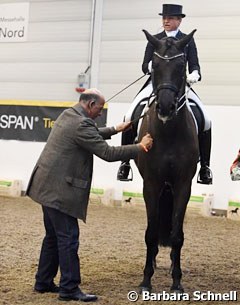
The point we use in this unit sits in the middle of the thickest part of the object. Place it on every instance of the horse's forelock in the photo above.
(169, 43)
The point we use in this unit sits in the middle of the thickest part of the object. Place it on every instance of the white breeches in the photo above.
(148, 90)
(142, 94)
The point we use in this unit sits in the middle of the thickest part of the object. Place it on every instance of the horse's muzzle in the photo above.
(166, 110)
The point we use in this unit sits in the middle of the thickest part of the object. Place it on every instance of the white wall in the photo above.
(46, 66)
(123, 45)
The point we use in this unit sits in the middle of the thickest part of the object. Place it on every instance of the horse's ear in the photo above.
(185, 40)
(153, 40)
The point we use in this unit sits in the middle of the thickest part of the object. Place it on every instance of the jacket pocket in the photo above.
(76, 182)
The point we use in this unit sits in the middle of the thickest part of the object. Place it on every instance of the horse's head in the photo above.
(168, 73)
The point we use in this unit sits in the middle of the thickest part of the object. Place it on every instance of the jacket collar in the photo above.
(79, 109)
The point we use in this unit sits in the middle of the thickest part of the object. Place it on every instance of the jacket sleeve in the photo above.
(192, 57)
(107, 132)
(148, 54)
(89, 138)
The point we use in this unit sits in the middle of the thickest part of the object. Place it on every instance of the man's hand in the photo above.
(123, 126)
(193, 77)
(146, 142)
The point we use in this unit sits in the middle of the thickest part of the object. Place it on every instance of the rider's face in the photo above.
(171, 23)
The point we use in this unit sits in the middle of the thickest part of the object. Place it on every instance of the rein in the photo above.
(144, 99)
(125, 88)
(186, 97)
(148, 104)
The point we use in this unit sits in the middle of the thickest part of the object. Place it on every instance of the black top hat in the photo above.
(172, 10)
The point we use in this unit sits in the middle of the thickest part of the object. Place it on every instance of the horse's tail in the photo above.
(165, 217)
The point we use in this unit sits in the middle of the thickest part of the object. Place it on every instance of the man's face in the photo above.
(171, 23)
(96, 109)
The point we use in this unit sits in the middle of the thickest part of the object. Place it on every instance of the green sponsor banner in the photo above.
(131, 194)
(97, 191)
(233, 204)
(5, 183)
(196, 199)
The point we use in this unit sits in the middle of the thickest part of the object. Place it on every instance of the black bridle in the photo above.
(167, 85)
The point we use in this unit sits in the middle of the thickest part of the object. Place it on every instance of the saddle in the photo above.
(139, 111)
(198, 116)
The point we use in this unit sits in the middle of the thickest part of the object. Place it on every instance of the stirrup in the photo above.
(207, 178)
(124, 171)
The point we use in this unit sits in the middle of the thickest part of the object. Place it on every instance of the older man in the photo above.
(61, 182)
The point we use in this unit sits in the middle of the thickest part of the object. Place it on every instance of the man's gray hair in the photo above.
(91, 94)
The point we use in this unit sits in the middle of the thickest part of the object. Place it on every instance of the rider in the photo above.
(171, 19)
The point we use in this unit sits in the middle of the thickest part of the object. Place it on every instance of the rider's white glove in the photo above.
(150, 66)
(193, 77)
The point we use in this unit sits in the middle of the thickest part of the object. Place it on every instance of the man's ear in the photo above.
(91, 104)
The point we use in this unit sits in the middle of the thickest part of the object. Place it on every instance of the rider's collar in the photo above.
(172, 33)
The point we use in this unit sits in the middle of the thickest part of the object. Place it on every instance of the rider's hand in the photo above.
(146, 142)
(123, 126)
(193, 77)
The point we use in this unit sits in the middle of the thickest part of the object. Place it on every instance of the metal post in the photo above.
(95, 43)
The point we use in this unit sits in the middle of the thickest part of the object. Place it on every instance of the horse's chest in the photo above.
(169, 159)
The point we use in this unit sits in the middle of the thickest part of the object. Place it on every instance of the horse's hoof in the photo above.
(177, 289)
(142, 289)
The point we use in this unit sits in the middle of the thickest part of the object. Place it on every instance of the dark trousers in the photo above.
(59, 248)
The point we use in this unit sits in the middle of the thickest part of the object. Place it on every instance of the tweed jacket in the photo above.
(62, 176)
(190, 52)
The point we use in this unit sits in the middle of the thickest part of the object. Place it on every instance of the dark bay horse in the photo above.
(169, 167)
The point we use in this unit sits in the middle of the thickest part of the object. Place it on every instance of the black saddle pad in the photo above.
(135, 116)
(198, 114)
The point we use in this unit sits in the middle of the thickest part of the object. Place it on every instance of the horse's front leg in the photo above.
(151, 237)
(176, 267)
(181, 198)
(151, 240)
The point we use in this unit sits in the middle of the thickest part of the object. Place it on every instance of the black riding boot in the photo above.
(125, 168)
(205, 173)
